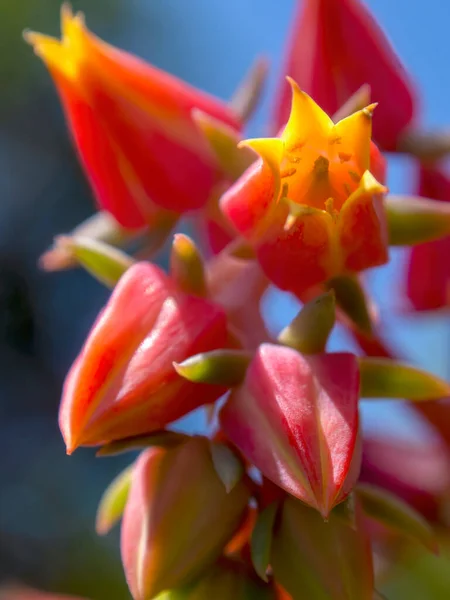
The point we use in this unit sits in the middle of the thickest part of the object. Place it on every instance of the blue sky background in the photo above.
(212, 44)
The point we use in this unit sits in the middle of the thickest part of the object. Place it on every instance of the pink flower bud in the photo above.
(123, 382)
(296, 419)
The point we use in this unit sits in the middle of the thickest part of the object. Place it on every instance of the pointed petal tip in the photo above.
(371, 185)
(37, 40)
(269, 149)
(369, 110)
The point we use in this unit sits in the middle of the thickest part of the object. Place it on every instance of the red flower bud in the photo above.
(415, 471)
(132, 125)
(123, 382)
(428, 275)
(296, 419)
(310, 208)
(178, 518)
(336, 47)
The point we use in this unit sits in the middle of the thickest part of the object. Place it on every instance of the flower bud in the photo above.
(123, 383)
(132, 125)
(324, 560)
(178, 518)
(296, 419)
(428, 273)
(336, 47)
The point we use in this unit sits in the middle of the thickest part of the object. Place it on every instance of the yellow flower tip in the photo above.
(269, 149)
(65, 55)
(72, 24)
(368, 110)
(370, 185)
(306, 118)
(46, 47)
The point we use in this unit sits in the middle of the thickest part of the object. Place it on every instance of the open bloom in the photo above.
(123, 382)
(131, 124)
(296, 419)
(336, 47)
(310, 207)
(428, 274)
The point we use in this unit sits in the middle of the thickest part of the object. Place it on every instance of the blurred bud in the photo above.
(395, 514)
(336, 47)
(416, 471)
(386, 378)
(310, 207)
(324, 560)
(227, 580)
(428, 272)
(296, 419)
(178, 518)
(309, 331)
(123, 382)
(131, 124)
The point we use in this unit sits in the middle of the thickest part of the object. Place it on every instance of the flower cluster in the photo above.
(278, 498)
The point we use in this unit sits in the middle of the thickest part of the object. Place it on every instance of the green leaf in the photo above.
(104, 262)
(101, 227)
(113, 501)
(415, 220)
(158, 438)
(220, 367)
(261, 541)
(352, 300)
(396, 514)
(309, 331)
(321, 560)
(382, 377)
(227, 464)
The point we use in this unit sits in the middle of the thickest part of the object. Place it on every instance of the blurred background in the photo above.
(47, 500)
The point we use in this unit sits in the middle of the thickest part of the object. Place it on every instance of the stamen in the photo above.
(321, 166)
(336, 140)
(288, 172)
(295, 146)
(344, 156)
(356, 178)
